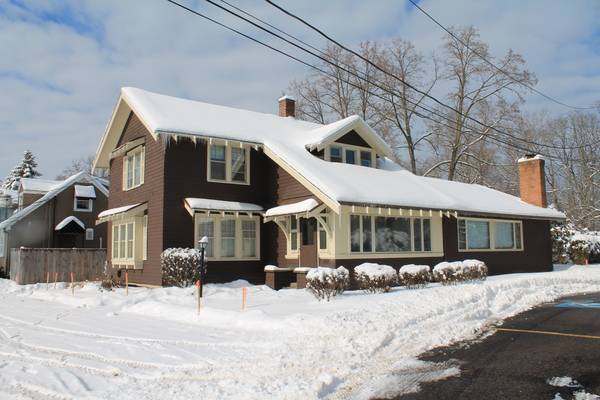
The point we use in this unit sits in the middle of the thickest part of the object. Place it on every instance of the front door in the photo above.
(308, 242)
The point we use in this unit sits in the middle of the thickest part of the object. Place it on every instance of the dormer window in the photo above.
(84, 198)
(350, 154)
(228, 163)
(335, 154)
(366, 158)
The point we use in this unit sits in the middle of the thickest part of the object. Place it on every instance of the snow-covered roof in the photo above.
(81, 177)
(12, 195)
(35, 185)
(286, 140)
(85, 191)
(117, 210)
(67, 221)
(294, 208)
(221, 205)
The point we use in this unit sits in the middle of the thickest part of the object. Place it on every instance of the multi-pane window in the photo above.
(390, 234)
(217, 162)
(249, 238)
(350, 156)
(123, 241)
(228, 163)
(83, 204)
(134, 168)
(294, 233)
(229, 236)
(145, 237)
(480, 234)
(365, 158)
(335, 154)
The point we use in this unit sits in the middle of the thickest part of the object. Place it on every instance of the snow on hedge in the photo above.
(325, 283)
(323, 274)
(455, 271)
(414, 269)
(373, 270)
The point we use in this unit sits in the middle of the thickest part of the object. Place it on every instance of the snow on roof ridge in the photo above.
(66, 222)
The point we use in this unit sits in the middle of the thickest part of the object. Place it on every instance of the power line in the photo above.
(494, 65)
(337, 43)
(345, 81)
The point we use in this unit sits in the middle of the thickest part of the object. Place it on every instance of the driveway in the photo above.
(550, 352)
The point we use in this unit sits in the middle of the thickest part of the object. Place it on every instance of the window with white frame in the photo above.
(229, 236)
(83, 204)
(228, 163)
(389, 234)
(293, 221)
(322, 234)
(487, 234)
(145, 237)
(350, 154)
(89, 234)
(123, 241)
(133, 168)
(335, 154)
(2, 243)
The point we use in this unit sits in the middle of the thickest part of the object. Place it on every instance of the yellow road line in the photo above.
(548, 333)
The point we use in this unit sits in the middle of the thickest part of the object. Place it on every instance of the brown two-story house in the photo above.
(268, 189)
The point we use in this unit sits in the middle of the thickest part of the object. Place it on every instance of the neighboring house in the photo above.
(8, 203)
(269, 189)
(55, 214)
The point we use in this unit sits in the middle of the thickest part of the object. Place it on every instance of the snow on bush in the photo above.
(449, 273)
(414, 276)
(572, 245)
(180, 266)
(374, 278)
(324, 283)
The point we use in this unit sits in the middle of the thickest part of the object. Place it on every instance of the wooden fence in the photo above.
(31, 265)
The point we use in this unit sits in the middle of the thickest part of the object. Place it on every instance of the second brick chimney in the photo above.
(287, 106)
(532, 180)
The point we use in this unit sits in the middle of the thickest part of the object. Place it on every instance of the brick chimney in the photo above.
(532, 180)
(287, 106)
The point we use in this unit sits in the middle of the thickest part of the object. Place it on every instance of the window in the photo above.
(335, 154)
(350, 156)
(206, 227)
(134, 168)
(480, 234)
(2, 243)
(307, 231)
(322, 235)
(390, 234)
(83, 204)
(228, 164)
(294, 233)
(145, 237)
(217, 162)
(89, 234)
(365, 158)
(229, 237)
(123, 242)
(248, 238)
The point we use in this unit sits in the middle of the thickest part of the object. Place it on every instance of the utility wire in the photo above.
(336, 77)
(465, 116)
(448, 31)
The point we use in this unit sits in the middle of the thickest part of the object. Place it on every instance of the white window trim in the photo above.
(140, 149)
(356, 149)
(492, 230)
(137, 251)
(89, 208)
(291, 253)
(217, 218)
(3, 237)
(89, 234)
(373, 236)
(228, 175)
(145, 237)
(321, 228)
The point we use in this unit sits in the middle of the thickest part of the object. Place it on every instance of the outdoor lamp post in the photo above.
(202, 243)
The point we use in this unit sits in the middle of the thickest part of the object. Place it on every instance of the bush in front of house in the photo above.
(448, 273)
(180, 266)
(474, 270)
(375, 278)
(584, 248)
(561, 242)
(325, 283)
(414, 276)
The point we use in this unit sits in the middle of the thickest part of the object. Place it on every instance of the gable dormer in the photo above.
(351, 149)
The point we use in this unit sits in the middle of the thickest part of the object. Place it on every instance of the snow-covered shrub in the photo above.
(324, 283)
(561, 241)
(584, 248)
(108, 281)
(374, 278)
(414, 276)
(474, 270)
(449, 273)
(180, 266)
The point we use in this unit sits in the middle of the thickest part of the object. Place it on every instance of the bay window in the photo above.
(228, 164)
(133, 168)
(123, 242)
(487, 234)
(389, 234)
(229, 237)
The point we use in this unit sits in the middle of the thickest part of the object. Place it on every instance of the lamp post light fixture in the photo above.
(202, 243)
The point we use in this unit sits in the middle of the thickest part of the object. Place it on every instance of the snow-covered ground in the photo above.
(152, 344)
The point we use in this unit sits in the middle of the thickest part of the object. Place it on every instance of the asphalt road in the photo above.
(555, 340)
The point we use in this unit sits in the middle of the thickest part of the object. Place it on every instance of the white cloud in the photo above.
(68, 59)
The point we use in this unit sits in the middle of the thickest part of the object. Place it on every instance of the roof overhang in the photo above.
(68, 221)
(202, 205)
(121, 213)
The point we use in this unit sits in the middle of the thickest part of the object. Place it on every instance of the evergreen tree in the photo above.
(26, 169)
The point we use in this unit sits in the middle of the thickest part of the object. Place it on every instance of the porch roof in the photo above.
(193, 204)
(294, 208)
(121, 212)
(67, 221)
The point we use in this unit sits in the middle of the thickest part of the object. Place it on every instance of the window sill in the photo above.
(228, 182)
(423, 254)
(487, 250)
(133, 187)
(217, 259)
(81, 210)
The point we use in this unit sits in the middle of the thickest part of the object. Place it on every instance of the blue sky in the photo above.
(64, 61)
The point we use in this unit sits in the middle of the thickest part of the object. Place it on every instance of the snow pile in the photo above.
(414, 276)
(325, 283)
(563, 381)
(373, 278)
(456, 271)
(143, 345)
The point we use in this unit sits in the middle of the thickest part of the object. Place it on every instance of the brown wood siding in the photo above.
(151, 192)
(353, 138)
(535, 257)
(29, 198)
